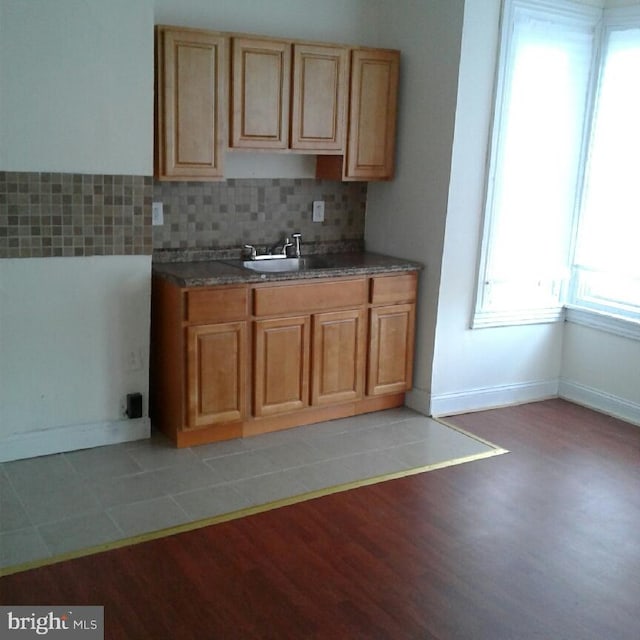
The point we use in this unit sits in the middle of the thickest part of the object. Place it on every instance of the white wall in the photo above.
(77, 92)
(74, 340)
(76, 95)
(406, 217)
(340, 21)
(602, 371)
(479, 368)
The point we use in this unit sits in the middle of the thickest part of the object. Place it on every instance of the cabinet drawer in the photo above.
(388, 289)
(217, 305)
(306, 298)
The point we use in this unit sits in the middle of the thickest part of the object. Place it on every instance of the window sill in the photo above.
(617, 325)
(610, 323)
(507, 318)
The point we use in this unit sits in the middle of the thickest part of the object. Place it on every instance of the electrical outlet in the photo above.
(133, 360)
(157, 214)
(318, 211)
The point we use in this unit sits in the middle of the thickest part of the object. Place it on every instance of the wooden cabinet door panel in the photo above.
(260, 94)
(319, 97)
(338, 356)
(372, 114)
(190, 104)
(281, 365)
(391, 349)
(216, 373)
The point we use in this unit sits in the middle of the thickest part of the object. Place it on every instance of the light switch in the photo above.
(157, 214)
(318, 211)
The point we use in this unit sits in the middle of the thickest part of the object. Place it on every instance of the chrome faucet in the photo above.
(282, 249)
(297, 238)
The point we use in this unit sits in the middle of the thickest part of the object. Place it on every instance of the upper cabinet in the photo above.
(288, 96)
(319, 104)
(372, 119)
(372, 115)
(260, 78)
(190, 104)
(336, 102)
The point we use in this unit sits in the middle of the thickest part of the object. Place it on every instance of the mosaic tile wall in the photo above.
(62, 214)
(256, 211)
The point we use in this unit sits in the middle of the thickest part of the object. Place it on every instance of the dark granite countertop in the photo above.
(204, 273)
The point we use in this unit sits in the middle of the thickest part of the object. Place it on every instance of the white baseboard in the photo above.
(600, 401)
(492, 397)
(71, 438)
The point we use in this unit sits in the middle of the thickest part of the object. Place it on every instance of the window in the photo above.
(606, 269)
(563, 194)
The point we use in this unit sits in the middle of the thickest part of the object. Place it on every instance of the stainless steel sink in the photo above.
(283, 265)
(273, 266)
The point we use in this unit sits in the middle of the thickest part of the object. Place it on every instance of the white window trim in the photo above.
(616, 325)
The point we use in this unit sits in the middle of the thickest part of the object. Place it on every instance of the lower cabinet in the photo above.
(216, 372)
(391, 349)
(338, 356)
(230, 361)
(281, 365)
(308, 360)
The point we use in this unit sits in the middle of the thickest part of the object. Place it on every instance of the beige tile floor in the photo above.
(62, 503)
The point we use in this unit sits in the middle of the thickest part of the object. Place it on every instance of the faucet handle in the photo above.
(297, 238)
(252, 251)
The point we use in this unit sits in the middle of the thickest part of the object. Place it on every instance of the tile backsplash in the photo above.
(69, 214)
(211, 215)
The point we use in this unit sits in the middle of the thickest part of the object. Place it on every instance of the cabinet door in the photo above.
(372, 114)
(391, 349)
(281, 365)
(319, 98)
(260, 94)
(216, 373)
(190, 97)
(338, 356)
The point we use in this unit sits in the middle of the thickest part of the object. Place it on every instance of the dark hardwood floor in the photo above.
(543, 542)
